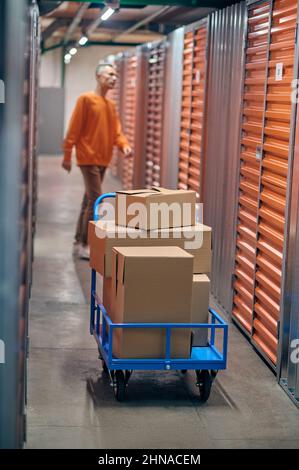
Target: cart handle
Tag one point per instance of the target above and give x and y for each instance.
(98, 202)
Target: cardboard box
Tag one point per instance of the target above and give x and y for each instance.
(148, 340)
(200, 308)
(156, 208)
(107, 283)
(151, 285)
(150, 344)
(103, 236)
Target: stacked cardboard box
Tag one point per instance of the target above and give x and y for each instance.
(151, 285)
(104, 235)
(153, 270)
(153, 207)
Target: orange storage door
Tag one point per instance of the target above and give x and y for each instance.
(265, 149)
(251, 142)
(193, 105)
(186, 111)
(197, 108)
(274, 170)
(154, 130)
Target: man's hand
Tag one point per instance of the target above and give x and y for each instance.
(127, 151)
(67, 166)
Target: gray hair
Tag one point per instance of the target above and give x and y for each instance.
(100, 67)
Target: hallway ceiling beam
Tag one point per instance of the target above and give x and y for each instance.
(183, 3)
(76, 21)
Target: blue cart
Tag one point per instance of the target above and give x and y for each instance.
(205, 361)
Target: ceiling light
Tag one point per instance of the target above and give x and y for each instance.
(73, 51)
(107, 14)
(83, 40)
(67, 57)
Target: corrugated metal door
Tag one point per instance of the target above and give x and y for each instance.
(155, 106)
(266, 126)
(193, 107)
(273, 181)
(251, 141)
(129, 116)
(186, 111)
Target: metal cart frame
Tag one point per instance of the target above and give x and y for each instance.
(206, 361)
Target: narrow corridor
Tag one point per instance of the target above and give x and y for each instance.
(71, 404)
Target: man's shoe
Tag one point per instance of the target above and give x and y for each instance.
(84, 252)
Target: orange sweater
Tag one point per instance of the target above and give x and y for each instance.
(94, 129)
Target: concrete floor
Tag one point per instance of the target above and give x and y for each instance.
(71, 404)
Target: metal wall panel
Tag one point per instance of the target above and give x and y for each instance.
(29, 191)
(172, 109)
(119, 63)
(140, 116)
(227, 34)
(115, 95)
(288, 370)
(129, 115)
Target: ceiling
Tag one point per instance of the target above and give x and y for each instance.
(68, 21)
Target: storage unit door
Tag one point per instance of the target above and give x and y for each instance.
(186, 111)
(155, 105)
(193, 107)
(274, 171)
(265, 150)
(251, 142)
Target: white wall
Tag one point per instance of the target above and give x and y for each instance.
(50, 70)
(80, 73)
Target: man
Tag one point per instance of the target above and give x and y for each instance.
(94, 129)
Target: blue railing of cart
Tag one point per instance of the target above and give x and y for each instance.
(208, 357)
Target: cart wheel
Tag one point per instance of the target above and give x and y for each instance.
(204, 383)
(119, 385)
(128, 374)
(105, 368)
